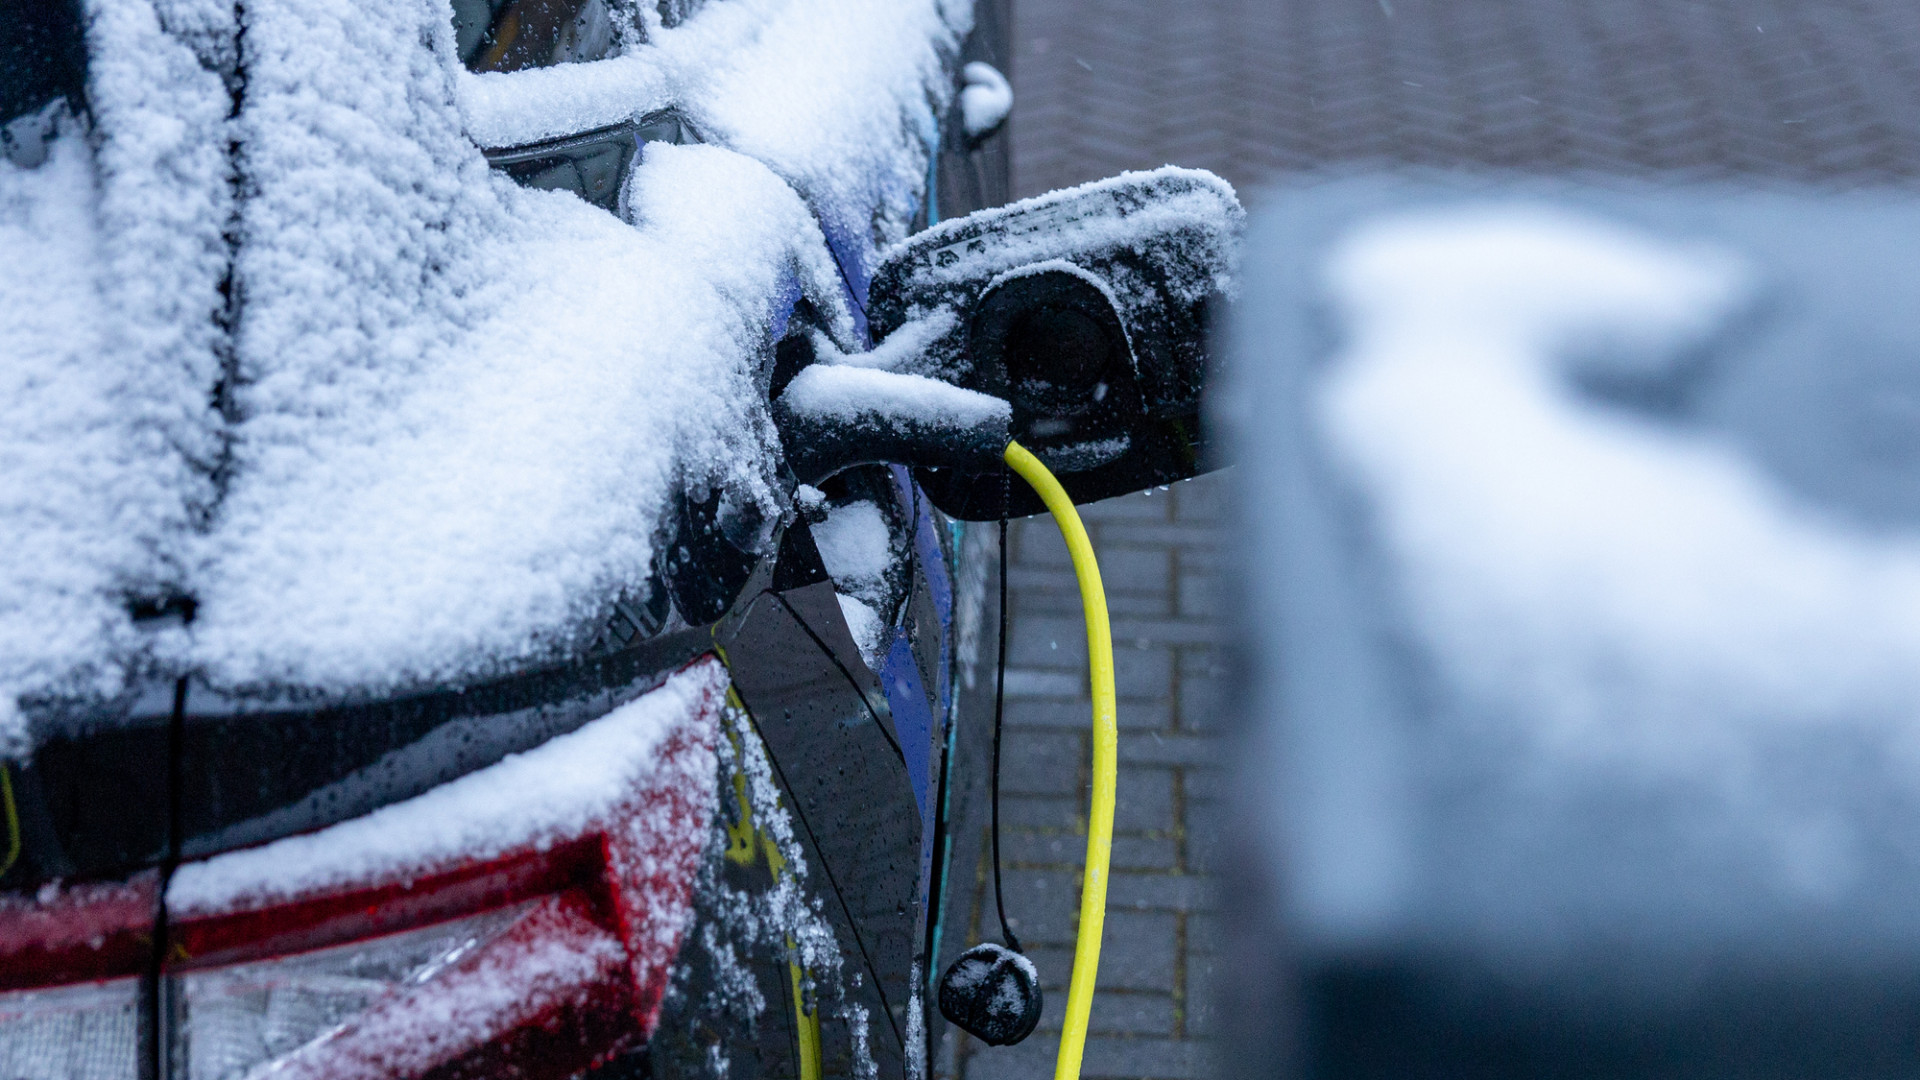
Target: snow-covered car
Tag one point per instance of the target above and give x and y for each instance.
(1582, 627)
(483, 488)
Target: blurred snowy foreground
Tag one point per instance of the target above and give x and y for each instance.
(1587, 551)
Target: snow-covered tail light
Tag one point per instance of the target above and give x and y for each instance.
(85, 1032)
(522, 920)
(535, 985)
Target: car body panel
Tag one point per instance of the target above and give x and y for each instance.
(219, 745)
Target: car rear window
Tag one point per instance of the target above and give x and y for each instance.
(43, 59)
(512, 35)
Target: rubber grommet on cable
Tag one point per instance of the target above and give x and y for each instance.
(993, 994)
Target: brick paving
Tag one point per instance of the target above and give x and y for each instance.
(1826, 93)
(1258, 90)
(1101, 86)
(1152, 1015)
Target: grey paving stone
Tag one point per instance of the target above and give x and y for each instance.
(1067, 851)
(1108, 1057)
(1148, 632)
(1138, 715)
(1030, 1060)
(1203, 661)
(1205, 557)
(1042, 850)
(1123, 1058)
(1055, 963)
(1189, 539)
(1202, 785)
(1145, 801)
(1138, 950)
(1206, 844)
(1130, 569)
(1128, 1014)
(1202, 500)
(1143, 673)
(1255, 88)
(1037, 542)
(1200, 1004)
(1202, 701)
(1158, 605)
(1162, 892)
(1169, 748)
(1115, 1012)
(1203, 933)
(1031, 683)
(1041, 812)
(1048, 641)
(1157, 853)
(1048, 762)
(1041, 588)
(1199, 597)
(1042, 906)
(1048, 713)
(1135, 715)
(1199, 1012)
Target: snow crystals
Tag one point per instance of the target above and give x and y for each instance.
(450, 413)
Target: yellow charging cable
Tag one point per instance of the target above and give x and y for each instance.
(1106, 767)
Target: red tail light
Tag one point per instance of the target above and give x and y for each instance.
(521, 921)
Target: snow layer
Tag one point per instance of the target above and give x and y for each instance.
(553, 956)
(857, 550)
(985, 100)
(854, 395)
(856, 546)
(1144, 239)
(1192, 211)
(1645, 591)
(108, 294)
(870, 632)
(839, 97)
(555, 792)
(466, 404)
(1663, 683)
(901, 351)
(466, 504)
(458, 410)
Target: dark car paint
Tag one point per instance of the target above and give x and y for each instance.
(94, 803)
(43, 58)
(827, 744)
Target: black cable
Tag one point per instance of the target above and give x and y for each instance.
(999, 710)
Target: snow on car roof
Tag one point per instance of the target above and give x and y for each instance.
(459, 408)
